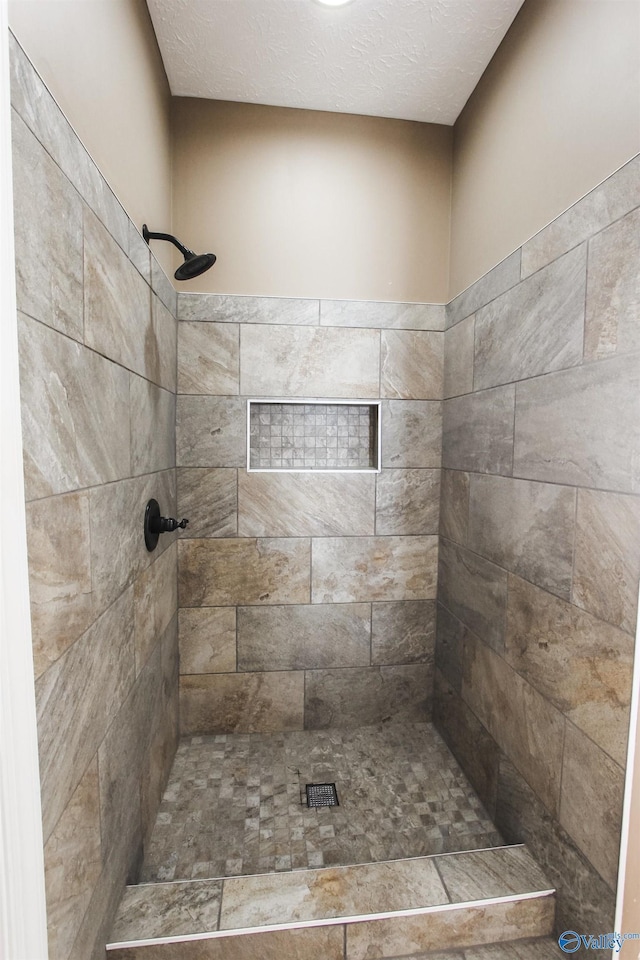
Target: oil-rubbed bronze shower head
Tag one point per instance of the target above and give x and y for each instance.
(194, 263)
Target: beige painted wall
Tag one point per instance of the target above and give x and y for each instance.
(101, 62)
(309, 204)
(557, 111)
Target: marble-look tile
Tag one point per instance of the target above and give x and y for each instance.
(331, 892)
(306, 504)
(238, 309)
(607, 564)
(73, 862)
(526, 527)
(374, 568)
(611, 200)
(595, 413)
(612, 324)
(67, 442)
(475, 591)
(211, 432)
(451, 634)
(207, 639)
(411, 433)
(535, 327)
(403, 631)
(411, 365)
(220, 573)
(305, 362)
(241, 702)
(209, 358)
(482, 874)
(59, 574)
(523, 723)
(117, 302)
(152, 413)
(360, 696)
(465, 926)
(407, 502)
(167, 910)
(48, 237)
(377, 314)
(156, 601)
(541, 949)
(118, 551)
(579, 663)
(477, 431)
(208, 498)
(163, 287)
(161, 347)
(138, 252)
(303, 637)
(502, 277)
(584, 900)
(475, 750)
(296, 944)
(454, 505)
(77, 698)
(458, 358)
(591, 782)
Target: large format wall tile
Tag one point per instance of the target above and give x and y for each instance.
(163, 288)
(581, 664)
(209, 358)
(305, 362)
(458, 358)
(454, 505)
(225, 309)
(303, 637)
(153, 427)
(241, 702)
(607, 565)
(234, 572)
(403, 631)
(207, 640)
(407, 501)
(592, 781)
(306, 504)
(161, 346)
(156, 602)
(619, 194)
(613, 290)
(475, 590)
(411, 365)
(502, 277)
(208, 498)
(69, 443)
(77, 698)
(477, 431)
(526, 527)
(117, 303)
(374, 568)
(451, 636)
(581, 426)
(535, 327)
(411, 433)
(211, 432)
(374, 314)
(59, 550)
(48, 237)
(522, 722)
(358, 697)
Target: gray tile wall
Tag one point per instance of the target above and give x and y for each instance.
(306, 599)
(98, 344)
(540, 525)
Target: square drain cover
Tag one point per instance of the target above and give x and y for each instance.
(322, 795)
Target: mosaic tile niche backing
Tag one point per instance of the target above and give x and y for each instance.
(313, 436)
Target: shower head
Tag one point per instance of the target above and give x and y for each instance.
(194, 263)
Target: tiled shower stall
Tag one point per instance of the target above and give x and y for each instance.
(509, 426)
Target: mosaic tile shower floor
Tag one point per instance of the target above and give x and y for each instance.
(235, 804)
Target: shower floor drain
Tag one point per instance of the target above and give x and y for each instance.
(322, 795)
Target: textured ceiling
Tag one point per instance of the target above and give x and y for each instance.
(411, 59)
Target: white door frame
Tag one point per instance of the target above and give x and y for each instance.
(23, 928)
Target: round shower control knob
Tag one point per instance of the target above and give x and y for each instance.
(154, 524)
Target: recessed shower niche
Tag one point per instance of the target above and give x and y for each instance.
(304, 435)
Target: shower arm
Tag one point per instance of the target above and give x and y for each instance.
(149, 235)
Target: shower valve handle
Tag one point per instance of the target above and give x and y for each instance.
(167, 524)
(154, 524)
